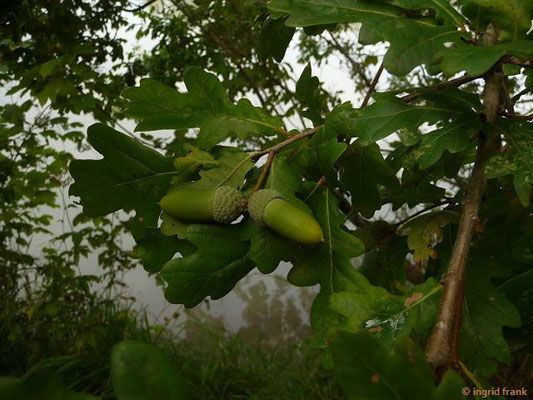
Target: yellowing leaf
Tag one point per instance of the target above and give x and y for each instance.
(425, 232)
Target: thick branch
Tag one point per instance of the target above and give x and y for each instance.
(439, 344)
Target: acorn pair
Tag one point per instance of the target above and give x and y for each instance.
(225, 204)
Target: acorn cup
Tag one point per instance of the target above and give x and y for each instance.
(267, 207)
(223, 204)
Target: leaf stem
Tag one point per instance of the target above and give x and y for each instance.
(321, 182)
(264, 173)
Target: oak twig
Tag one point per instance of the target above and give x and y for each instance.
(442, 338)
(440, 86)
(264, 173)
(416, 214)
(286, 142)
(372, 87)
(139, 8)
(517, 61)
(517, 116)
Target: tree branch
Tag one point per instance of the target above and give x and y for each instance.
(416, 214)
(517, 61)
(286, 142)
(372, 86)
(517, 116)
(440, 86)
(442, 339)
(139, 8)
(264, 173)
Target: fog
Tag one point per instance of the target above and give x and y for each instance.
(257, 297)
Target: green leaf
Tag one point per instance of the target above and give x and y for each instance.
(519, 291)
(454, 137)
(129, 176)
(363, 169)
(188, 166)
(274, 39)
(522, 248)
(445, 11)
(155, 249)
(416, 45)
(486, 311)
(230, 170)
(413, 192)
(171, 226)
(384, 261)
(425, 229)
(476, 60)
(454, 99)
(369, 371)
(420, 38)
(308, 93)
(327, 150)
(268, 249)
(141, 371)
(517, 160)
(48, 67)
(511, 18)
(328, 263)
(390, 114)
(220, 261)
(39, 384)
(205, 106)
(391, 318)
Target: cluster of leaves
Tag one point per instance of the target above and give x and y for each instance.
(340, 175)
(59, 60)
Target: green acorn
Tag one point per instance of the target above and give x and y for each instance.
(267, 207)
(224, 204)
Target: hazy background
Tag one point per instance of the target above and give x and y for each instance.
(258, 297)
